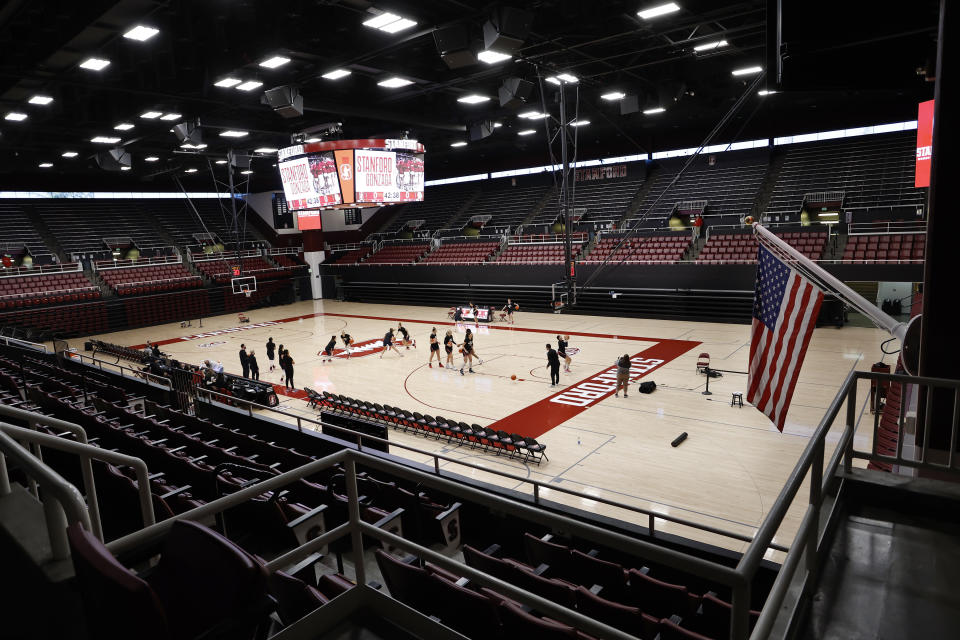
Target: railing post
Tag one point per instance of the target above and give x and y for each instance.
(536, 493)
(56, 521)
(813, 539)
(4, 477)
(356, 533)
(93, 505)
(650, 523)
(740, 615)
(851, 424)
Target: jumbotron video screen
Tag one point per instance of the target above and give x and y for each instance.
(351, 173)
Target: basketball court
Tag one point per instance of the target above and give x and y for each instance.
(725, 475)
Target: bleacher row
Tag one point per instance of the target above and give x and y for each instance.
(892, 247)
(641, 249)
(138, 280)
(58, 288)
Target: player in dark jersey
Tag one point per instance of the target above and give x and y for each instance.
(434, 349)
(388, 343)
(562, 342)
(271, 345)
(448, 344)
(509, 308)
(467, 352)
(347, 341)
(405, 336)
(327, 353)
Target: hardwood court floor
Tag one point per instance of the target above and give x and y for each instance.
(726, 475)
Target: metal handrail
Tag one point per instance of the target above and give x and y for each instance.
(40, 270)
(17, 342)
(109, 265)
(887, 227)
(143, 375)
(87, 452)
(359, 438)
(356, 528)
(62, 504)
(806, 541)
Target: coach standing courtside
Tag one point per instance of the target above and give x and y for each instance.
(244, 361)
(553, 360)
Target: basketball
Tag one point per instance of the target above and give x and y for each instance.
(748, 220)
(513, 377)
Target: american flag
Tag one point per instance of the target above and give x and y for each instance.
(785, 308)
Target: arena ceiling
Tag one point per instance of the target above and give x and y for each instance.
(842, 68)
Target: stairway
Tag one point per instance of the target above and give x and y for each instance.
(541, 203)
(766, 187)
(44, 232)
(638, 199)
(892, 569)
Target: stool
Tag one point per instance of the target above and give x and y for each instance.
(737, 400)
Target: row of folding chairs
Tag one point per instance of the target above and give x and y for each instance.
(512, 445)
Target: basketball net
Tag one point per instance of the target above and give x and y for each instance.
(828, 283)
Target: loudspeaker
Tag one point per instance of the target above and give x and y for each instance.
(187, 132)
(113, 159)
(241, 161)
(514, 92)
(648, 387)
(506, 29)
(286, 101)
(629, 104)
(453, 43)
(480, 130)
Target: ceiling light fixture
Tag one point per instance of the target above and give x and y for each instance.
(170, 116)
(312, 140)
(532, 115)
(265, 150)
(191, 170)
(246, 172)
(45, 165)
(746, 71)
(40, 100)
(394, 83)
(458, 144)
(227, 83)
(526, 132)
(249, 85)
(221, 162)
(124, 126)
(650, 112)
(765, 92)
(472, 99)
(659, 10)
(16, 116)
(614, 95)
(150, 115)
(492, 57)
(68, 154)
(389, 23)
(105, 139)
(94, 64)
(274, 62)
(336, 74)
(232, 133)
(124, 168)
(141, 33)
(580, 123)
(710, 46)
(151, 159)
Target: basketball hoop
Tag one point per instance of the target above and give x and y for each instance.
(247, 292)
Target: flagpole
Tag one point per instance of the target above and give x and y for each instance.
(854, 299)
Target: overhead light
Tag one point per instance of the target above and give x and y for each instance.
(68, 154)
(650, 112)
(312, 140)
(246, 172)
(141, 33)
(249, 85)
(747, 71)
(170, 116)
(532, 115)
(94, 64)
(151, 115)
(231, 133)
(190, 170)
(336, 74)
(45, 165)
(394, 83)
(614, 95)
(458, 144)
(105, 139)
(16, 116)
(151, 159)
(220, 162)
(710, 46)
(389, 23)
(227, 82)
(124, 168)
(472, 99)
(124, 126)
(497, 125)
(265, 150)
(659, 10)
(40, 100)
(274, 62)
(526, 132)
(187, 145)
(492, 57)
(580, 123)
(765, 92)
(566, 77)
